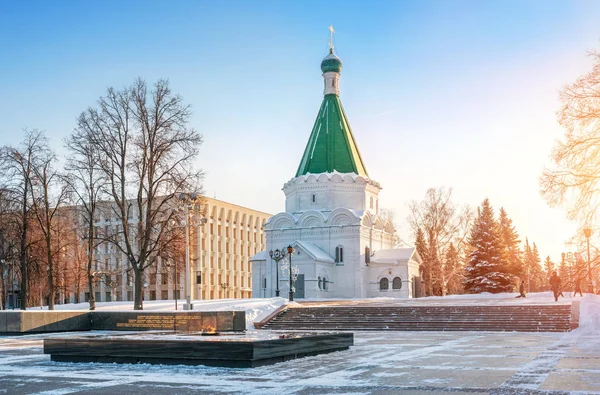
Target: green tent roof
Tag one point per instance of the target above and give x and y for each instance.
(331, 146)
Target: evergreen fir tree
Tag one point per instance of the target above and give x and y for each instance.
(452, 271)
(486, 270)
(423, 251)
(435, 267)
(510, 242)
(564, 272)
(548, 266)
(527, 258)
(539, 280)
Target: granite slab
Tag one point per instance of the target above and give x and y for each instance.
(226, 351)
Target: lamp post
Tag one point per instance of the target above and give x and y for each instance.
(175, 289)
(588, 232)
(203, 220)
(290, 251)
(224, 286)
(188, 202)
(277, 256)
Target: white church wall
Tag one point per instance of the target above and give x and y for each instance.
(329, 191)
(379, 271)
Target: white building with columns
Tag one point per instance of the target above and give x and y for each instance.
(343, 247)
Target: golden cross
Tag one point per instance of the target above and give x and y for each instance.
(331, 31)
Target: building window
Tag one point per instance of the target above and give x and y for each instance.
(384, 284)
(367, 255)
(325, 284)
(314, 198)
(397, 283)
(339, 254)
(320, 283)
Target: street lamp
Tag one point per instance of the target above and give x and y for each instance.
(588, 232)
(290, 251)
(224, 286)
(175, 288)
(188, 202)
(277, 256)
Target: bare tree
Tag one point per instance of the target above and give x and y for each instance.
(147, 152)
(574, 181)
(48, 196)
(442, 224)
(17, 173)
(87, 181)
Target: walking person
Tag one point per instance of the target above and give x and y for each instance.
(522, 289)
(555, 284)
(577, 287)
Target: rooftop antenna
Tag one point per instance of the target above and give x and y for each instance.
(331, 31)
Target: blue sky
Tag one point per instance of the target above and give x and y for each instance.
(455, 93)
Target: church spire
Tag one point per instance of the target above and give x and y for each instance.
(331, 146)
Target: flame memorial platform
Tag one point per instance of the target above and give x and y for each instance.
(224, 350)
(26, 322)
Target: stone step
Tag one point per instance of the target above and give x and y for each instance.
(432, 329)
(427, 315)
(565, 324)
(544, 318)
(550, 328)
(423, 319)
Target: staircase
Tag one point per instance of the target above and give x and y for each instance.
(533, 318)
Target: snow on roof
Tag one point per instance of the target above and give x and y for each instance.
(260, 256)
(393, 255)
(315, 252)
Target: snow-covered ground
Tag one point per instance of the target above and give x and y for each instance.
(390, 362)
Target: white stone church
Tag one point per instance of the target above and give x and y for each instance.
(342, 247)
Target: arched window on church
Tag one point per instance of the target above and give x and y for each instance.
(325, 284)
(397, 283)
(384, 284)
(367, 255)
(339, 254)
(320, 283)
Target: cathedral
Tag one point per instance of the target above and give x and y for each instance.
(341, 246)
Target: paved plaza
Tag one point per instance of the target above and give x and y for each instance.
(379, 363)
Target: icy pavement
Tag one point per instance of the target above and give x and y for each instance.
(379, 363)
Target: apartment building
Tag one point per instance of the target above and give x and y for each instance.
(223, 237)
